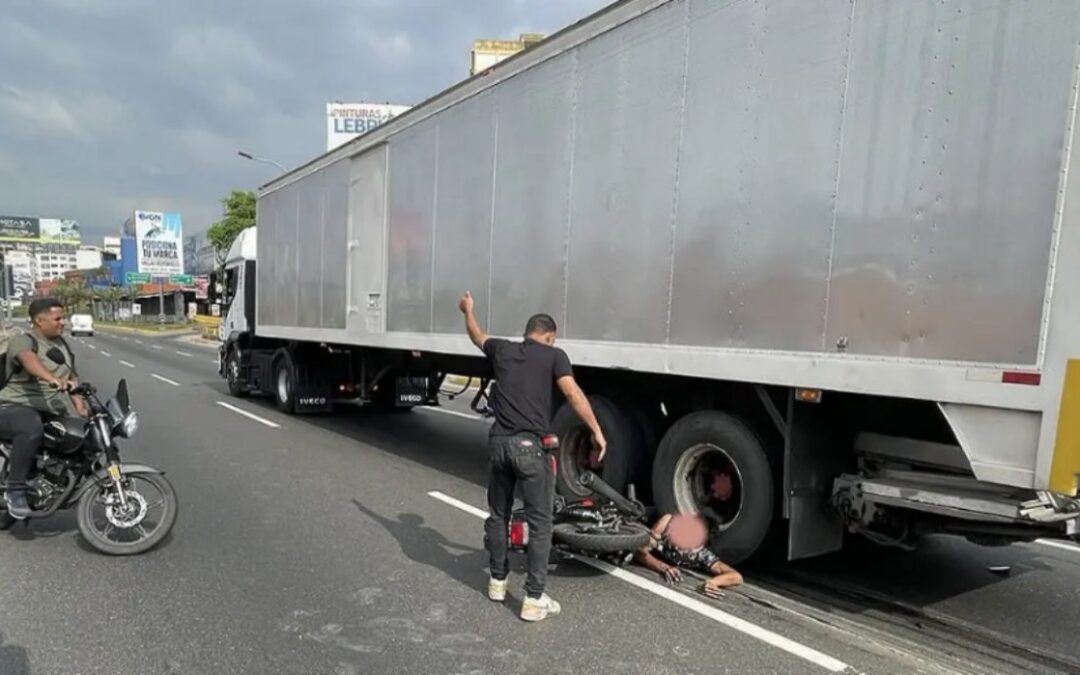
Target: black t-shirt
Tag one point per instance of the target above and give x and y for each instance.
(525, 374)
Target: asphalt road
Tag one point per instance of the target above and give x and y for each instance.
(314, 545)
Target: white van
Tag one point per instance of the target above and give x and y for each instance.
(82, 324)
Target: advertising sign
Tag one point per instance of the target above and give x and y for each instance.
(39, 230)
(159, 243)
(202, 288)
(15, 228)
(136, 309)
(57, 231)
(346, 121)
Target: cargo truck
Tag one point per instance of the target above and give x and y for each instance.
(816, 263)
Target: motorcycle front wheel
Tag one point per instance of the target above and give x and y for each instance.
(114, 528)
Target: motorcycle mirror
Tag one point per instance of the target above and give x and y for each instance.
(56, 355)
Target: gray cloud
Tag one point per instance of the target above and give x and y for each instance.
(111, 105)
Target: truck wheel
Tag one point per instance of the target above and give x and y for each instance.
(711, 463)
(625, 455)
(285, 383)
(232, 374)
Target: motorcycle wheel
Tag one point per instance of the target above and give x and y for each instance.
(102, 533)
(628, 537)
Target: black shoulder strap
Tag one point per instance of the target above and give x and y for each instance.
(70, 351)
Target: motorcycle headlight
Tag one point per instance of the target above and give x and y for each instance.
(129, 425)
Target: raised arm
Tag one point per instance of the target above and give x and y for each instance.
(472, 326)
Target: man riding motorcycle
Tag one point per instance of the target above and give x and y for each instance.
(37, 384)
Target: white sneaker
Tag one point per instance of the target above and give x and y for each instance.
(538, 609)
(497, 590)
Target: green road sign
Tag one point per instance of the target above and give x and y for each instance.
(181, 279)
(138, 277)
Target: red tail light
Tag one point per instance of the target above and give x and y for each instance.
(519, 533)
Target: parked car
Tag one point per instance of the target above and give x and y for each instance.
(82, 324)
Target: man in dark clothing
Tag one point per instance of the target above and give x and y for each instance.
(525, 373)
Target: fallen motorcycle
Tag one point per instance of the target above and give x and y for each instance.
(121, 509)
(608, 526)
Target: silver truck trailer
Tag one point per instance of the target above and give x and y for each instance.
(817, 263)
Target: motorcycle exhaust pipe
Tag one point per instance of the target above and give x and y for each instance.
(596, 484)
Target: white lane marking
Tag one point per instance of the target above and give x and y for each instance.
(458, 504)
(182, 353)
(455, 414)
(1058, 544)
(164, 379)
(215, 362)
(105, 353)
(238, 411)
(708, 611)
(156, 346)
(138, 342)
(129, 365)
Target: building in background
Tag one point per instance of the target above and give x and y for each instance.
(486, 53)
(37, 249)
(346, 121)
(90, 258)
(112, 245)
(52, 264)
(198, 254)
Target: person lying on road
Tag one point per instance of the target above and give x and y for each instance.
(678, 541)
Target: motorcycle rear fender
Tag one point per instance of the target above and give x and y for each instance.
(103, 474)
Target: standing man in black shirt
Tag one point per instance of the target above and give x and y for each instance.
(525, 373)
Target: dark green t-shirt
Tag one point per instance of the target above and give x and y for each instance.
(24, 389)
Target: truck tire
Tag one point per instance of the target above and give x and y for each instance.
(625, 456)
(237, 388)
(629, 537)
(284, 386)
(688, 477)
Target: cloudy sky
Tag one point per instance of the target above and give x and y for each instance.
(111, 105)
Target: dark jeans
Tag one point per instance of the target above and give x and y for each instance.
(520, 459)
(22, 426)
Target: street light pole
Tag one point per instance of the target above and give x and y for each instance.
(248, 155)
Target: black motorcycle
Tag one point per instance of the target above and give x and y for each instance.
(608, 526)
(121, 509)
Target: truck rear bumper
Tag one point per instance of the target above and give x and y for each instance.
(953, 504)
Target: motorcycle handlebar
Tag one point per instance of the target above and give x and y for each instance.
(600, 487)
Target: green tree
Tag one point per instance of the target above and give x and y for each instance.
(239, 214)
(112, 296)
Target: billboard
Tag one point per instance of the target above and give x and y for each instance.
(159, 243)
(39, 230)
(346, 121)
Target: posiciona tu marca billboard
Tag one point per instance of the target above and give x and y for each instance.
(159, 243)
